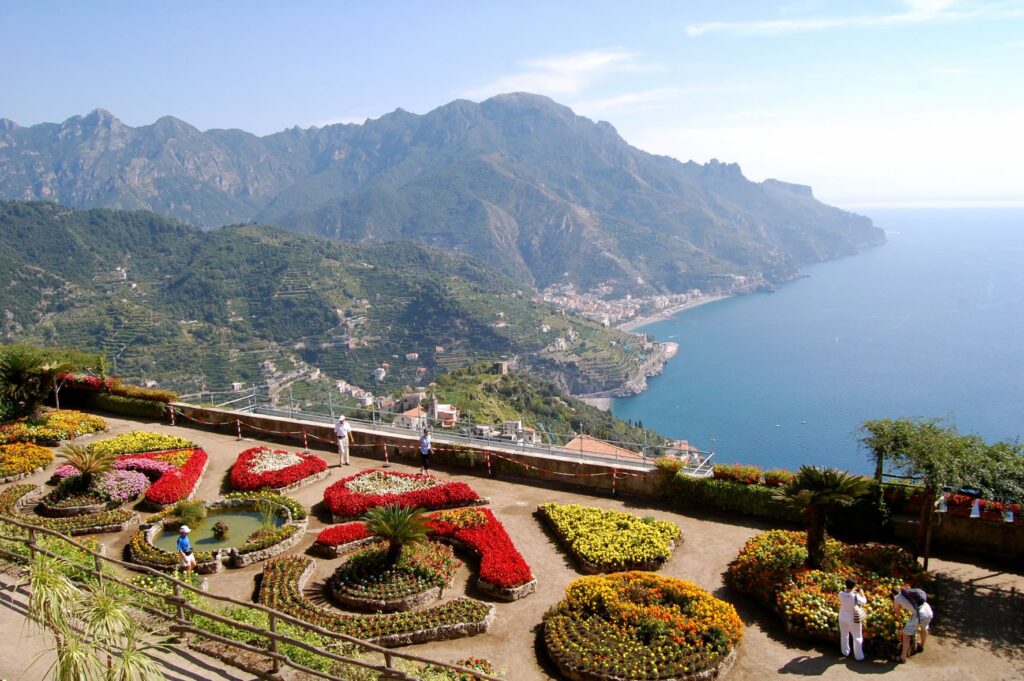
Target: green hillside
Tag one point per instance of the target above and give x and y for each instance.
(169, 302)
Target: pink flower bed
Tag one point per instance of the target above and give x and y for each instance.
(501, 564)
(264, 467)
(430, 494)
(182, 469)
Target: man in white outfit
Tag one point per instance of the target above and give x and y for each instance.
(851, 616)
(343, 431)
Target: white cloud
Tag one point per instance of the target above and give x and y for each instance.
(918, 12)
(644, 100)
(560, 76)
(941, 156)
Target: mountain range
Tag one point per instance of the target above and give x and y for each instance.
(517, 181)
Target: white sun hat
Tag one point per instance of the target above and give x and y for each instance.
(184, 529)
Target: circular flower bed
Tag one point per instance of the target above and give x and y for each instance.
(275, 468)
(770, 568)
(16, 499)
(637, 625)
(282, 588)
(604, 540)
(51, 427)
(21, 459)
(351, 497)
(366, 582)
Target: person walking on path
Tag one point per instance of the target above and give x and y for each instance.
(343, 431)
(188, 558)
(851, 620)
(425, 452)
(914, 601)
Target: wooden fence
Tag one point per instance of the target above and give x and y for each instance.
(183, 610)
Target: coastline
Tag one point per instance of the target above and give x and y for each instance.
(668, 313)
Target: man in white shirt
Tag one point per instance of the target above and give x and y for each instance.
(343, 431)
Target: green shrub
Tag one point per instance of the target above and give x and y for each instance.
(730, 496)
(748, 475)
(778, 477)
(129, 406)
(190, 512)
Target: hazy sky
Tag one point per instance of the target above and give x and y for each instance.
(869, 102)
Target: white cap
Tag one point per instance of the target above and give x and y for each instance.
(184, 529)
(341, 418)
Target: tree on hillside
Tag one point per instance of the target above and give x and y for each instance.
(816, 491)
(399, 526)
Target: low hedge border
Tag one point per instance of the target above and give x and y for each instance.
(729, 497)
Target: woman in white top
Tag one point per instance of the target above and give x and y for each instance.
(851, 616)
(920, 618)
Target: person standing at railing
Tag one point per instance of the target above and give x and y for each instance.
(425, 452)
(343, 431)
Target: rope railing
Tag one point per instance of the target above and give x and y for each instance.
(179, 604)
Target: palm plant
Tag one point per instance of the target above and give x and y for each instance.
(90, 464)
(399, 526)
(23, 384)
(816, 491)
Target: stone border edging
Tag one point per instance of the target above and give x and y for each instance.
(72, 511)
(586, 567)
(18, 507)
(15, 477)
(440, 633)
(719, 671)
(402, 604)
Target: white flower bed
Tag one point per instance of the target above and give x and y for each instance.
(378, 482)
(273, 460)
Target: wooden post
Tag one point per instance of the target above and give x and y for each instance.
(32, 543)
(275, 662)
(180, 606)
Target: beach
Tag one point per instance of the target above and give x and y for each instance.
(668, 313)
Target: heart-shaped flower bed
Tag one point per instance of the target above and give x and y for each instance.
(275, 468)
(351, 497)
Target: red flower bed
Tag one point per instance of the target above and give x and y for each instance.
(179, 482)
(243, 477)
(501, 564)
(339, 535)
(114, 386)
(345, 503)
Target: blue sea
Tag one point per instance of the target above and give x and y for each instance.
(929, 325)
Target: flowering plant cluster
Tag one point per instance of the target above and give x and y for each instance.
(638, 625)
(141, 551)
(122, 486)
(264, 467)
(420, 567)
(610, 540)
(778, 477)
(748, 475)
(279, 589)
(297, 510)
(181, 470)
(351, 497)
(770, 568)
(346, 533)
(137, 441)
(114, 386)
(78, 524)
(501, 564)
(51, 427)
(22, 458)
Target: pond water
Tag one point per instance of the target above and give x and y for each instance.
(240, 523)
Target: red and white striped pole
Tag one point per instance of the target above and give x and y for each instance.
(490, 473)
(615, 474)
(238, 425)
(305, 442)
(171, 408)
(387, 462)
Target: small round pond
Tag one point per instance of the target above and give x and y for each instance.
(240, 524)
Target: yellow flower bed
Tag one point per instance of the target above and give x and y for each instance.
(23, 457)
(637, 625)
(611, 540)
(51, 427)
(138, 441)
